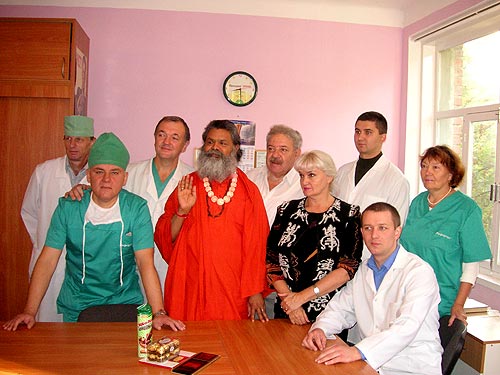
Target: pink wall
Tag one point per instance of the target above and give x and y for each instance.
(314, 76)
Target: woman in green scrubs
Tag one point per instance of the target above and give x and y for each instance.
(444, 227)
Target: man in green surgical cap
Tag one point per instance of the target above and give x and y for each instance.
(50, 180)
(107, 235)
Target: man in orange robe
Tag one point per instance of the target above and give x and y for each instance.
(213, 236)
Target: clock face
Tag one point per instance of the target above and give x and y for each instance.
(240, 88)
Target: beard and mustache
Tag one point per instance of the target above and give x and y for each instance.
(215, 165)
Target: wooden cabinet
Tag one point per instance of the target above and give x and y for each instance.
(32, 50)
(482, 344)
(43, 77)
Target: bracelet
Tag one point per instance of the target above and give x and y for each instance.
(159, 312)
(181, 215)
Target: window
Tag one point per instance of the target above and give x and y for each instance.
(456, 75)
(469, 74)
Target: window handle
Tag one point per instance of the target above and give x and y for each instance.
(494, 192)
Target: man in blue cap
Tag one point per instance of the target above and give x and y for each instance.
(49, 181)
(107, 235)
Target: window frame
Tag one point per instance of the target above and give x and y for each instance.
(422, 112)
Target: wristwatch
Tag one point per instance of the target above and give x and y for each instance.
(316, 291)
(159, 312)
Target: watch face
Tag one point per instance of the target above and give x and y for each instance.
(240, 88)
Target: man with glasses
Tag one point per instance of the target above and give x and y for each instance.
(49, 181)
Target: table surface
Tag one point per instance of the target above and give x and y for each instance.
(244, 347)
(484, 327)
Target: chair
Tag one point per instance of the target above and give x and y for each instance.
(109, 313)
(452, 341)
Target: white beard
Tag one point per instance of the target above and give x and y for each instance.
(216, 168)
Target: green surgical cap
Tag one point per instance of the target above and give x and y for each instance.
(78, 126)
(108, 149)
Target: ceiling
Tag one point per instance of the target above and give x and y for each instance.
(397, 13)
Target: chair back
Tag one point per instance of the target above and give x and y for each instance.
(452, 341)
(109, 313)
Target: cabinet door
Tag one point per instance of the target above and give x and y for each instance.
(31, 131)
(34, 50)
(43, 66)
(473, 353)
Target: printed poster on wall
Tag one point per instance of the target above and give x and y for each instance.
(247, 135)
(81, 83)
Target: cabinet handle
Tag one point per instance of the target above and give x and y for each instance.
(63, 66)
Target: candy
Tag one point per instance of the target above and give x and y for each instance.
(163, 349)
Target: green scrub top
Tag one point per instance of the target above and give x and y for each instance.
(450, 234)
(99, 280)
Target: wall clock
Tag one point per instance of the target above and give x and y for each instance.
(240, 88)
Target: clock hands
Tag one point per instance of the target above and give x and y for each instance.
(239, 99)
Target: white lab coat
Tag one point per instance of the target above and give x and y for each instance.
(384, 182)
(141, 182)
(399, 323)
(289, 188)
(48, 183)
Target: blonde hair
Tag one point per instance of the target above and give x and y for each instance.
(317, 159)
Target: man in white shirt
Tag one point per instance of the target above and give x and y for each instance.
(278, 181)
(155, 179)
(393, 298)
(372, 178)
(48, 183)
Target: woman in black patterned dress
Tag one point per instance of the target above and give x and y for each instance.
(315, 243)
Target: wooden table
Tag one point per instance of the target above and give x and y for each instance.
(245, 347)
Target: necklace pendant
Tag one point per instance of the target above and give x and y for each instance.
(220, 201)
